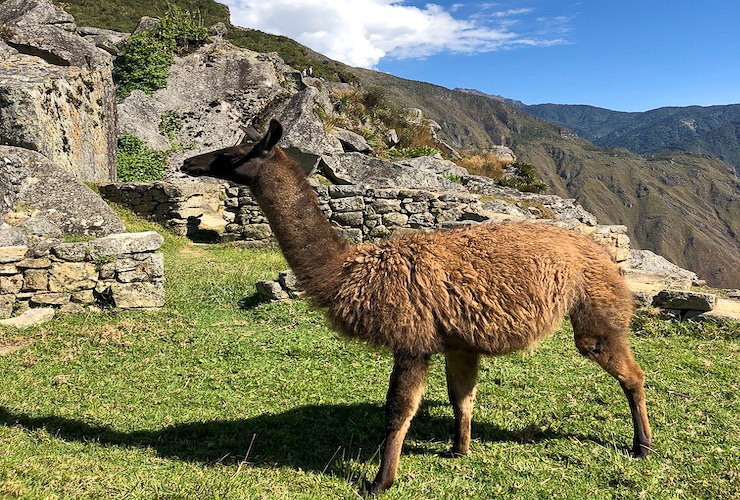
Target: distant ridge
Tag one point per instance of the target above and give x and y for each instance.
(511, 102)
(711, 130)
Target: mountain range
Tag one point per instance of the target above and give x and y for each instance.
(669, 175)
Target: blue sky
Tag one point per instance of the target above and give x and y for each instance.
(624, 55)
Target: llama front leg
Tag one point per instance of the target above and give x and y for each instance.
(404, 393)
(462, 373)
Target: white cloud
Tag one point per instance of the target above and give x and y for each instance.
(362, 32)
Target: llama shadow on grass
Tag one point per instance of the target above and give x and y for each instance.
(306, 437)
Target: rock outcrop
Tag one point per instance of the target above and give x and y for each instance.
(213, 92)
(44, 201)
(56, 91)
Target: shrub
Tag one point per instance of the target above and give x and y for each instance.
(486, 164)
(137, 162)
(181, 31)
(143, 64)
(411, 152)
(145, 59)
(170, 125)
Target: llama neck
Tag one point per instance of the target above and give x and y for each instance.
(310, 245)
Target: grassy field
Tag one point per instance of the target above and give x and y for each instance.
(219, 395)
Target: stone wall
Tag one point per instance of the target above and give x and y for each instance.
(121, 270)
(360, 213)
(185, 207)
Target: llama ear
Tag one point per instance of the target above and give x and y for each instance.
(265, 146)
(274, 134)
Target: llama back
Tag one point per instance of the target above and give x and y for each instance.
(493, 288)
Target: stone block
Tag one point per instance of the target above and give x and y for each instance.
(423, 220)
(137, 295)
(12, 254)
(72, 276)
(348, 204)
(684, 300)
(351, 219)
(72, 252)
(83, 296)
(146, 270)
(11, 284)
(49, 299)
(8, 269)
(257, 231)
(36, 280)
(6, 305)
(31, 317)
(271, 290)
(123, 243)
(41, 263)
(354, 235)
(394, 219)
(385, 206)
(416, 207)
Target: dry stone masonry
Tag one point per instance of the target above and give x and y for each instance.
(121, 270)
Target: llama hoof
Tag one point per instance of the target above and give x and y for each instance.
(371, 488)
(640, 450)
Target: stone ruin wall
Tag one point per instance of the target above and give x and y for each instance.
(121, 270)
(360, 213)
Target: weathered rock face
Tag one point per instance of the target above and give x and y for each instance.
(647, 261)
(212, 91)
(27, 13)
(45, 191)
(108, 40)
(351, 142)
(302, 128)
(356, 168)
(56, 91)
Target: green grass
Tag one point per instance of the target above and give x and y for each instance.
(219, 395)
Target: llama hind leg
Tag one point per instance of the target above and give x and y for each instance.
(404, 394)
(613, 353)
(462, 372)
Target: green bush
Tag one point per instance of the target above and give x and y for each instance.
(145, 59)
(170, 125)
(137, 162)
(143, 64)
(526, 179)
(411, 152)
(181, 30)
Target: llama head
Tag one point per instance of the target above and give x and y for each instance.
(240, 164)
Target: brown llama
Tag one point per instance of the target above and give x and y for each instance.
(489, 289)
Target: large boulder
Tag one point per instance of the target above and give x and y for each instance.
(48, 198)
(212, 92)
(56, 91)
(108, 40)
(28, 13)
(303, 130)
(645, 261)
(357, 168)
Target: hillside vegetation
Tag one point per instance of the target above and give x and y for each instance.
(124, 15)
